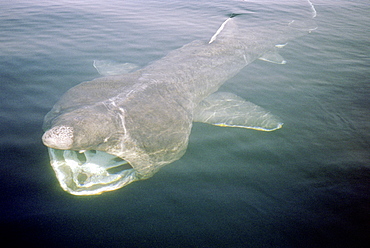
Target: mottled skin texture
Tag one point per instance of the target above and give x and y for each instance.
(145, 117)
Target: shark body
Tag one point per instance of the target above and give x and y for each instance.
(111, 131)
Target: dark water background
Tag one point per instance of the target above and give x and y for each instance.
(305, 185)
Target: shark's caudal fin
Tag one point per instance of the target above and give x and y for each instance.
(307, 24)
(313, 10)
(228, 110)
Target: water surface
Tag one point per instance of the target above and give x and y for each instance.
(305, 185)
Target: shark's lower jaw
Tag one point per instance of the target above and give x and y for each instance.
(90, 172)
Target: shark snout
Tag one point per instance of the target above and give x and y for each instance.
(59, 137)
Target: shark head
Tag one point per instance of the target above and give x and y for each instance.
(98, 148)
(86, 154)
(90, 172)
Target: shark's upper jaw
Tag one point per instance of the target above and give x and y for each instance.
(90, 172)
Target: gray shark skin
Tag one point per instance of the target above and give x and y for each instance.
(108, 132)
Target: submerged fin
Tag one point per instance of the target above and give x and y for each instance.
(281, 45)
(111, 68)
(229, 110)
(273, 57)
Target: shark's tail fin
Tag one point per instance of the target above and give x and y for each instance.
(313, 10)
(305, 24)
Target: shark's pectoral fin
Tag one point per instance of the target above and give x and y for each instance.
(111, 68)
(227, 109)
(273, 57)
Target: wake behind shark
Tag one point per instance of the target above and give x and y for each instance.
(111, 131)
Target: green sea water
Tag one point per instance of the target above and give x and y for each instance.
(305, 185)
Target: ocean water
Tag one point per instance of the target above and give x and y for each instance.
(305, 185)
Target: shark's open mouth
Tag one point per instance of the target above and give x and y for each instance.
(90, 172)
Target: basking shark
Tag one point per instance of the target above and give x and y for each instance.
(106, 133)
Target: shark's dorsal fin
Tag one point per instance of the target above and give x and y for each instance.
(229, 110)
(111, 68)
(226, 29)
